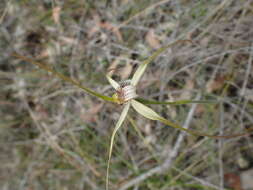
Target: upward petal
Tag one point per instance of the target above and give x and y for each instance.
(114, 84)
(140, 70)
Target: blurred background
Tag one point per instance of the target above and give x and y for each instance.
(55, 136)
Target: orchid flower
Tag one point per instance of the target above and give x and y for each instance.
(125, 94)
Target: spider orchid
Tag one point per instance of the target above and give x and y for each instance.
(125, 94)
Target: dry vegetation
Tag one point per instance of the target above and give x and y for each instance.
(55, 136)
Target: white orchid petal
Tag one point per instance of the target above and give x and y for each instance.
(114, 84)
(150, 114)
(145, 111)
(140, 70)
(138, 73)
(118, 125)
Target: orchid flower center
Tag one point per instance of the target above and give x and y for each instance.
(126, 92)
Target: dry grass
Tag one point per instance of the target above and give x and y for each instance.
(54, 136)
